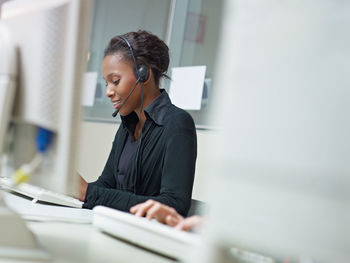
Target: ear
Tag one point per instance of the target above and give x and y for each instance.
(150, 74)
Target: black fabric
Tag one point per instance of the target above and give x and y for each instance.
(166, 162)
(126, 157)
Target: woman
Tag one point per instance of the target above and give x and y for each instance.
(155, 148)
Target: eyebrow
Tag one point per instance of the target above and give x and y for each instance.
(110, 75)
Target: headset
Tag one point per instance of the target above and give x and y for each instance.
(141, 71)
(142, 76)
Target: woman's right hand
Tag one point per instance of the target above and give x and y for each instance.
(82, 189)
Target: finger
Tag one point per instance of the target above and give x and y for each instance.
(134, 208)
(160, 212)
(156, 212)
(189, 223)
(176, 215)
(172, 220)
(144, 208)
(173, 212)
(181, 226)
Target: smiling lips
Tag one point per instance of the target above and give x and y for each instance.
(116, 103)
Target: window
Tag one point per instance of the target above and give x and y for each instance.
(189, 27)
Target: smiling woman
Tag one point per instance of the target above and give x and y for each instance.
(154, 151)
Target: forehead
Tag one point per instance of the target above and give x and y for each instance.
(115, 63)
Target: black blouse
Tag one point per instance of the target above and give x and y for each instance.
(129, 150)
(162, 170)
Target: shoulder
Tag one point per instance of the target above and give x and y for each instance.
(177, 118)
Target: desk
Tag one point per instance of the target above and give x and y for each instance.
(71, 242)
(82, 242)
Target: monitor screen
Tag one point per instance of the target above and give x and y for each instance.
(52, 41)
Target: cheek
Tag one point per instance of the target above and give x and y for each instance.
(126, 87)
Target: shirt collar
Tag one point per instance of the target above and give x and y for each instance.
(155, 111)
(158, 108)
(130, 121)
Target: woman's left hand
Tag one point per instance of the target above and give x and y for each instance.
(153, 209)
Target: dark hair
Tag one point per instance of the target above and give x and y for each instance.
(149, 50)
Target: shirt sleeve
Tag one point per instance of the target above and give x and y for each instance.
(178, 171)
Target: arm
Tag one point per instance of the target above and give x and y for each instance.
(178, 172)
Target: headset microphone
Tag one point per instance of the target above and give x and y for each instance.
(115, 113)
(117, 110)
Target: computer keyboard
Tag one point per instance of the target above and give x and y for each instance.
(40, 194)
(142, 232)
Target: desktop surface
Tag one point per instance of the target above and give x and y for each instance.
(85, 243)
(71, 238)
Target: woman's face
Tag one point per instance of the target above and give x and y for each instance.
(120, 80)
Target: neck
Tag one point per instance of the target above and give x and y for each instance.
(148, 97)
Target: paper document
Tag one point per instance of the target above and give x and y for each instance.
(186, 87)
(42, 212)
(89, 88)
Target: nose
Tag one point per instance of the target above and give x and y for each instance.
(109, 92)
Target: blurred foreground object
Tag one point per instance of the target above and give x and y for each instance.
(281, 162)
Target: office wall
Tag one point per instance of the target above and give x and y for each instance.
(96, 143)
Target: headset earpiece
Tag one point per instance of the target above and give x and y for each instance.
(142, 73)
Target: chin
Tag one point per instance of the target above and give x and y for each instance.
(124, 112)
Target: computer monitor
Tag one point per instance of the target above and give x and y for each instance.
(8, 81)
(52, 40)
(280, 184)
